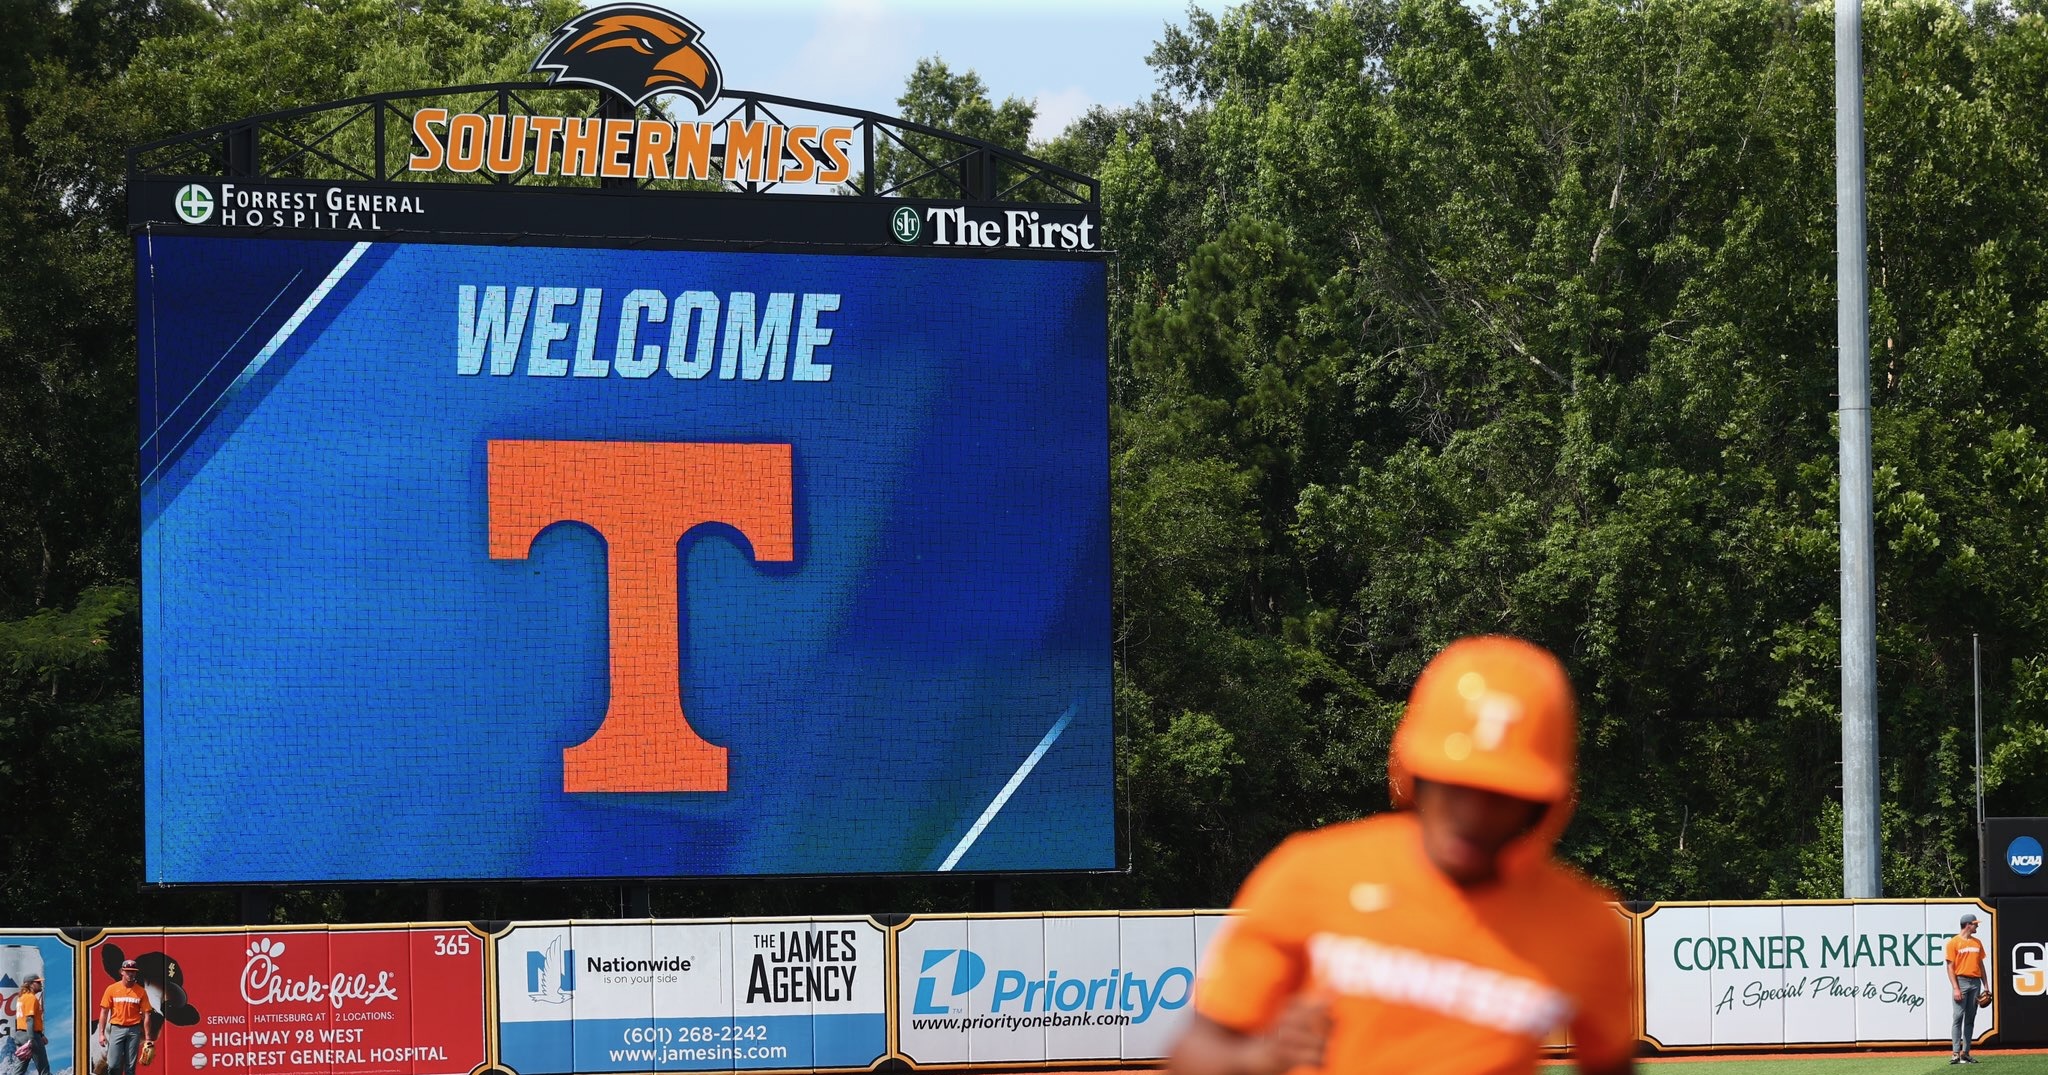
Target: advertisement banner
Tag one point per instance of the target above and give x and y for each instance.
(1802, 973)
(384, 1000)
(2019, 970)
(40, 961)
(1033, 989)
(744, 995)
(711, 563)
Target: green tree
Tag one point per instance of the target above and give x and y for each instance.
(936, 97)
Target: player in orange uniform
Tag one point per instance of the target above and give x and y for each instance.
(1964, 954)
(1441, 938)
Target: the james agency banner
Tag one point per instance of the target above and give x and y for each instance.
(1802, 973)
(371, 1001)
(762, 995)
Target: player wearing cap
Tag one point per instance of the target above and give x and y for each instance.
(1443, 937)
(29, 1006)
(1964, 955)
(124, 1011)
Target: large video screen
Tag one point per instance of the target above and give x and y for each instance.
(475, 562)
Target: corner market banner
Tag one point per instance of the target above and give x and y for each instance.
(800, 994)
(346, 1000)
(1802, 973)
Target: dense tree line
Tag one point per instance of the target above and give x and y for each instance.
(1427, 320)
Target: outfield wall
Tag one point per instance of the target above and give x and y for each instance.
(848, 994)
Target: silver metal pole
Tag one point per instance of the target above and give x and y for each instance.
(1860, 836)
(1977, 704)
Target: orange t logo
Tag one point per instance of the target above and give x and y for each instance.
(642, 498)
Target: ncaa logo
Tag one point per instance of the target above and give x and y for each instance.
(2030, 968)
(2023, 855)
(968, 971)
(194, 204)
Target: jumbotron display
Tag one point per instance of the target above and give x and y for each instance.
(465, 562)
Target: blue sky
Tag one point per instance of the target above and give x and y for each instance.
(1065, 54)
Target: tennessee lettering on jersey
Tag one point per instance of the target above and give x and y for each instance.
(1464, 991)
(1424, 977)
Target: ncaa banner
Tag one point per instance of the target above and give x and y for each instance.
(2013, 848)
(343, 1000)
(1810, 973)
(802, 994)
(1033, 989)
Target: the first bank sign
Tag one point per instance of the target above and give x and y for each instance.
(1813, 973)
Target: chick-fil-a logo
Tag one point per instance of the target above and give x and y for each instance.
(264, 983)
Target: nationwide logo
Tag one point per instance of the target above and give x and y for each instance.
(2023, 855)
(551, 974)
(636, 53)
(2030, 968)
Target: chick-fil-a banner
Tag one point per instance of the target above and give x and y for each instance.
(387, 1000)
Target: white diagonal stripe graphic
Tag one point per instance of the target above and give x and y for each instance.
(1002, 798)
(278, 339)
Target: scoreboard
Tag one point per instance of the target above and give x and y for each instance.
(469, 560)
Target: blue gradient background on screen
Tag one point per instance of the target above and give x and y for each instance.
(340, 684)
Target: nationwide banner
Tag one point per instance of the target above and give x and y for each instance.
(1031, 989)
(1802, 973)
(380, 1000)
(803, 994)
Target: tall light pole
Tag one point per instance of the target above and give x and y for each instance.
(1860, 879)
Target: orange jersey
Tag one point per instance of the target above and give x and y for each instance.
(1424, 977)
(28, 1011)
(129, 1003)
(1966, 955)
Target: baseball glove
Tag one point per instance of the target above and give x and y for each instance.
(1984, 999)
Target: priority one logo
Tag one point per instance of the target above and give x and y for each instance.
(2030, 968)
(551, 974)
(2023, 855)
(968, 971)
(194, 203)
(1119, 992)
(636, 53)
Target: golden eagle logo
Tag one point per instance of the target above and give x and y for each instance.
(636, 51)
